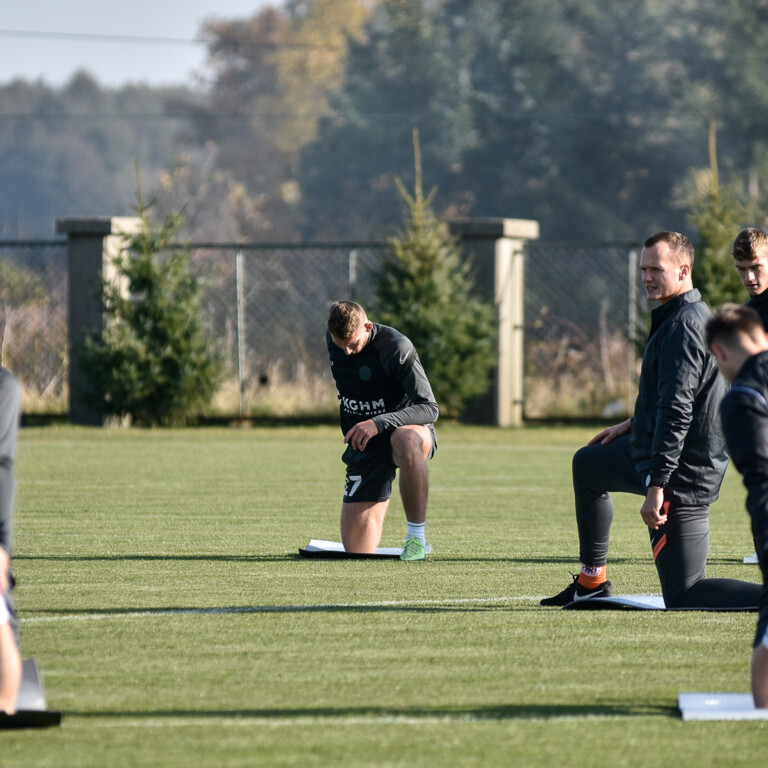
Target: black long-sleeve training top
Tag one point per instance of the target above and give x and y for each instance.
(385, 382)
(744, 413)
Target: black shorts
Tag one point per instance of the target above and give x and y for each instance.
(370, 473)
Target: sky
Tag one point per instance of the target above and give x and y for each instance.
(55, 42)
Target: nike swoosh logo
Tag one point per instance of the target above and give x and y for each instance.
(577, 598)
(405, 357)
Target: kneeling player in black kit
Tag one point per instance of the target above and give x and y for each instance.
(738, 341)
(387, 413)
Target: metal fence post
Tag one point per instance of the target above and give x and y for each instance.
(632, 330)
(241, 362)
(353, 257)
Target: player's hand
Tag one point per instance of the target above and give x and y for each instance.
(5, 564)
(360, 434)
(652, 511)
(611, 433)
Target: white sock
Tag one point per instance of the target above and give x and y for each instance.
(417, 531)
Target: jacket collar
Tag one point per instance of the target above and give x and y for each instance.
(761, 298)
(660, 314)
(752, 368)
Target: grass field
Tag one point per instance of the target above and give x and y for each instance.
(174, 623)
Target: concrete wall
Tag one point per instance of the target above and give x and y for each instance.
(92, 243)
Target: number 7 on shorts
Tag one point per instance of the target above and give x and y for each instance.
(353, 483)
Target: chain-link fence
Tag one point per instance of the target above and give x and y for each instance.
(33, 321)
(266, 308)
(583, 318)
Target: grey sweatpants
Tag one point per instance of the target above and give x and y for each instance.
(679, 547)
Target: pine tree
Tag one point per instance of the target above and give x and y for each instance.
(154, 362)
(719, 213)
(424, 289)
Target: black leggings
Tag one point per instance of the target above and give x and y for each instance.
(679, 547)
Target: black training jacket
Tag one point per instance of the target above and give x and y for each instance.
(677, 441)
(744, 413)
(385, 382)
(760, 304)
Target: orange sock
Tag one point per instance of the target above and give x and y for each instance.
(592, 576)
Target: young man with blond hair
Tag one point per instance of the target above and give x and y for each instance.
(750, 257)
(738, 341)
(387, 412)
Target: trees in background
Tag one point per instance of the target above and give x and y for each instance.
(72, 151)
(719, 212)
(586, 116)
(154, 363)
(424, 288)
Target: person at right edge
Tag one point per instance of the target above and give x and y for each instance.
(672, 451)
(738, 341)
(750, 257)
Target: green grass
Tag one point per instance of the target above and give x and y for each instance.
(359, 663)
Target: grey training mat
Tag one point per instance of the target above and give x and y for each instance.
(719, 706)
(637, 603)
(335, 550)
(619, 602)
(31, 704)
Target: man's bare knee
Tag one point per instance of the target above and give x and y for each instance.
(408, 446)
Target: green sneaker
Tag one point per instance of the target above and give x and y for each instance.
(414, 549)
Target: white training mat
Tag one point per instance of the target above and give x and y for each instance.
(719, 706)
(616, 602)
(335, 549)
(751, 559)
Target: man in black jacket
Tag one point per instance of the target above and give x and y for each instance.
(750, 257)
(387, 413)
(738, 341)
(672, 451)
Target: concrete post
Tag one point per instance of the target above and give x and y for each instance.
(496, 247)
(91, 245)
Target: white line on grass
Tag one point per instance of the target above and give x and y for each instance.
(217, 611)
(127, 721)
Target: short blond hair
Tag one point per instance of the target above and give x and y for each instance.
(680, 247)
(750, 244)
(344, 318)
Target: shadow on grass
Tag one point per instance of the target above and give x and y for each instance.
(295, 557)
(493, 713)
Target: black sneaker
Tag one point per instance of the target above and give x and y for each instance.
(574, 593)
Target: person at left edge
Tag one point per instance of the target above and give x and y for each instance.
(10, 659)
(387, 412)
